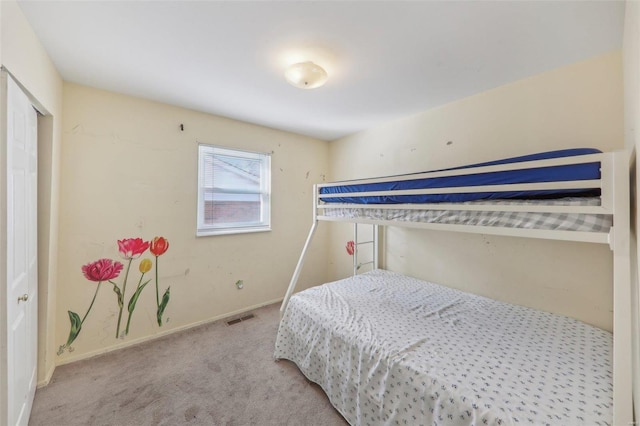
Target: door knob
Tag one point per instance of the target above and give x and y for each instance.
(23, 298)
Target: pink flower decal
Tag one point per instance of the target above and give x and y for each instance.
(99, 271)
(102, 270)
(351, 247)
(132, 248)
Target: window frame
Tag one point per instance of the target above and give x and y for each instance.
(228, 228)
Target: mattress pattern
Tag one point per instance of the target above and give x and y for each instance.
(389, 349)
(528, 220)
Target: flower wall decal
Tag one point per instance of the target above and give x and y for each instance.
(108, 270)
(98, 271)
(144, 267)
(132, 248)
(159, 246)
(351, 248)
(102, 270)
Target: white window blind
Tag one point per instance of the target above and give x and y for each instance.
(234, 191)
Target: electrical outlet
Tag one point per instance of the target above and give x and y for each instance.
(239, 284)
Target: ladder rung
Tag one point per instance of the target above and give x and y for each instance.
(364, 242)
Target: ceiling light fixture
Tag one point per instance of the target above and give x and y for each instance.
(306, 75)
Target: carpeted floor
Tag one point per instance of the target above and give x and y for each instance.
(210, 375)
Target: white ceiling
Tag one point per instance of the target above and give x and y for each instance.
(385, 60)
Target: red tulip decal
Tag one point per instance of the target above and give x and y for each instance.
(351, 247)
(132, 248)
(159, 245)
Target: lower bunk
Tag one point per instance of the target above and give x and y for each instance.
(390, 349)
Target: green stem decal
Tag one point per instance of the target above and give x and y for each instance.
(157, 291)
(132, 302)
(91, 305)
(121, 297)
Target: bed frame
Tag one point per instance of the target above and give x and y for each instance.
(615, 195)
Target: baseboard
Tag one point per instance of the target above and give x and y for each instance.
(47, 378)
(123, 345)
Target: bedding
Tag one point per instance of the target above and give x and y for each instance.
(571, 172)
(390, 349)
(507, 219)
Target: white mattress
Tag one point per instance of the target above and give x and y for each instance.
(529, 220)
(390, 349)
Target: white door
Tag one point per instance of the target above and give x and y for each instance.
(22, 274)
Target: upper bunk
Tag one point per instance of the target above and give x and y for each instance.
(572, 195)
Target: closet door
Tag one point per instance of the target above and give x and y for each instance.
(21, 254)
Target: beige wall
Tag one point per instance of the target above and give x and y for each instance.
(631, 51)
(25, 58)
(128, 171)
(580, 105)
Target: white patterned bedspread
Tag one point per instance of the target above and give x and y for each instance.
(390, 349)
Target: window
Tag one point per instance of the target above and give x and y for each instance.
(234, 191)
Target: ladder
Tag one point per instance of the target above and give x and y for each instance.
(371, 242)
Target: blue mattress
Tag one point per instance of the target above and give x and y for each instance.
(572, 172)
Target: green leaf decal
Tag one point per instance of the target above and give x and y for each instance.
(132, 303)
(76, 326)
(163, 305)
(134, 298)
(116, 290)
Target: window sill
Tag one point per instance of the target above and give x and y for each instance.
(230, 231)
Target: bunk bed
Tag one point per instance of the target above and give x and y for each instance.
(389, 349)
